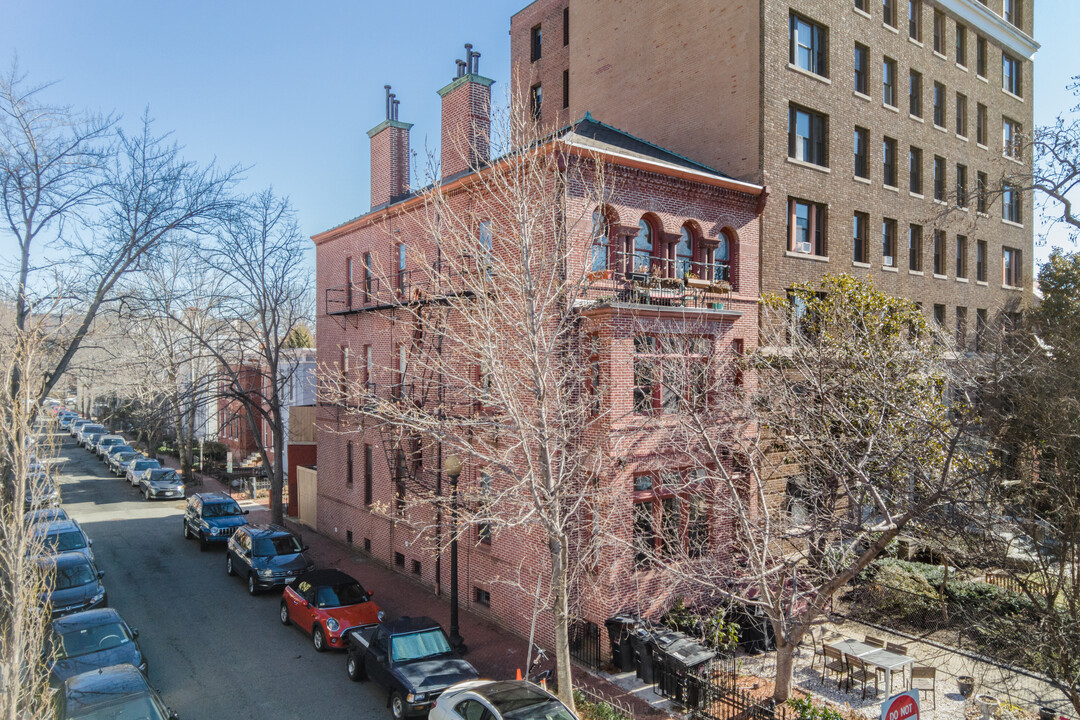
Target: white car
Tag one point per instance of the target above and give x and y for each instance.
(136, 468)
(499, 700)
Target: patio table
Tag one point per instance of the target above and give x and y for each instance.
(874, 655)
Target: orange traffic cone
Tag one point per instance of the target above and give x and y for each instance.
(519, 673)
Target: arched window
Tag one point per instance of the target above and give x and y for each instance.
(599, 246)
(722, 259)
(684, 253)
(643, 247)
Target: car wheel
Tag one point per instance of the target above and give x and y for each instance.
(354, 668)
(285, 614)
(187, 531)
(397, 706)
(228, 565)
(253, 589)
(146, 494)
(203, 544)
(318, 639)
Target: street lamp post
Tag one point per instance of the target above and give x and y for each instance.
(452, 467)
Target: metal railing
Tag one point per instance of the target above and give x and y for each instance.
(585, 643)
(435, 283)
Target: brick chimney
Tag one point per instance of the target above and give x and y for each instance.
(389, 155)
(466, 117)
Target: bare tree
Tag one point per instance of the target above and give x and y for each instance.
(495, 361)
(844, 429)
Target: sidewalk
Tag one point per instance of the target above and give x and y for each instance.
(494, 651)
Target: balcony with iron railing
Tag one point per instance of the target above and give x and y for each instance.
(436, 284)
(644, 280)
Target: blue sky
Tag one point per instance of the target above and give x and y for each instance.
(291, 88)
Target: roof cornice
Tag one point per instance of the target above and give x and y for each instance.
(993, 26)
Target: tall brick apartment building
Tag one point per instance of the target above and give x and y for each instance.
(663, 213)
(871, 121)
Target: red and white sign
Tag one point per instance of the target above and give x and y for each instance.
(904, 706)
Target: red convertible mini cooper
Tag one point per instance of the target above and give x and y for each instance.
(326, 603)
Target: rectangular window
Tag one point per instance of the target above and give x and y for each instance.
(961, 256)
(860, 251)
(566, 26)
(809, 47)
(888, 12)
(939, 32)
(806, 227)
(961, 185)
(1010, 203)
(369, 271)
(961, 45)
(915, 170)
(1010, 10)
(481, 596)
(369, 474)
(484, 528)
(349, 463)
(888, 153)
(645, 387)
(939, 105)
(915, 93)
(888, 242)
(980, 260)
(862, 69)
(1010, 267)
(980, 329)
(888, 82)
(863, 5)
(961, 115)
(349, 282)
(566, 88)
(980, 124)
(401, 267)
(980, 56)
(939, 252)
(807, 131)
(862, 152)
(939, 316)
(644, 534)
(914, 14)
(915, 248)
(536, 44)
(939, 177)
(961, 328)
(536, 95)
(1010, 75)
(1011, 143)
(980, 192)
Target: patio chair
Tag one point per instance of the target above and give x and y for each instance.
(876, 642)
(834, 662)
(817, 642)
(923, 678)
(859, 670)
(899, 650)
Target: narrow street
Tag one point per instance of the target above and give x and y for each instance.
(214, 652)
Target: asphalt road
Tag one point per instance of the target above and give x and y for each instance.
(213, 651)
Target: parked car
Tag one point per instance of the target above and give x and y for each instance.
(66, 418)
(89, 429)
(120, 691)
(410, 658)
(75, 582)
(161, 483)
(92, 639)
(77, 425)
(90, 439)
(267, 556)
(118, 461)
(137, 466)
(41, 491)
(499, 700)
(61, 536)
(45, 515)
(212, 518)
(107, 441)
(115, 449)
(326, 603)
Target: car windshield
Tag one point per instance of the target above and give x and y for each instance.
(83, 641)
(165, 476)
(221, 509)
(64, 541)
(120, 449)
(340, 595)
(126, 456)
(420, 645)
(279, 545)
(146, 464)
(526, 703)
(70, 576)
(46, 515)
(141, 707)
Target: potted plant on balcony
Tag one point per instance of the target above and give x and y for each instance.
(658, 279)
(594, 275)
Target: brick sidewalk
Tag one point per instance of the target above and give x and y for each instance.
(494, 651)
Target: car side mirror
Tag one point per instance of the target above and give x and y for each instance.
(307, 604)
(134, 633)
(380, 657)
(304, 549)
(100, 574)
(173, 715)
(371, 593)
(246, 512)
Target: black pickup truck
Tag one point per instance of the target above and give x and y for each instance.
(411, 658)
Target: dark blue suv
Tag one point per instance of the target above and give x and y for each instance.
(213, 518)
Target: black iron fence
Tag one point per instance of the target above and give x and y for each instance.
(585, 643)
(711, 692)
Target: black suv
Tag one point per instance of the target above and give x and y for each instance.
(212, 517)
(267, 555)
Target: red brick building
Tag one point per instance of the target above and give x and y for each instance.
(664, 214)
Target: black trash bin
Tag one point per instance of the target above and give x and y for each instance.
(620, 629)
(684, 659)
(659, 641)
(644, 644)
